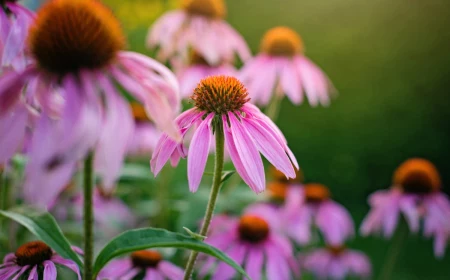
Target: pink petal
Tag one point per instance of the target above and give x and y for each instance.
(12, 131)
(254, 264)
(170, 271)
(224, 271)
(49, 271)
(67, 263)
(290, 82)
(152, 274)
(198, 153)
(34, 275)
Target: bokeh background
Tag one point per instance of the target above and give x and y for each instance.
(389, 60)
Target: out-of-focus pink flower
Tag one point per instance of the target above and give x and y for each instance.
(112, 215)
(221, 103)
(34, 258)
(254, 242)
(310, 205)
(146, 135)
(336, 263)
(415, 194)
(15, 21)
(149, 261)
(198, 26)
(282, 68)
(76, 47)
(198, 68)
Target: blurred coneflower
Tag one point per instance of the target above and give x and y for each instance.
(150, 263)
(76, 47)
(311, 205)
(254, 242)
(199, 26)
(282, 68)
(197, 69)
(336, 262)
(221, 103)
(416, 194)
(15, 21)
(34, 258)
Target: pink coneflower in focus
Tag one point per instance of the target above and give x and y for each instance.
(146, 135)
(336, 262)
(415, 193)
(221, 102)
(198, 26)
(77, 47)
(282, 68)
(148, 261)
(312, 205)
(34, 258)
(15, 21)
(252, 241)
(198, 68)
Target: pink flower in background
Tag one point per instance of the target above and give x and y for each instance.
(253, 242)
(146, 135)
(15, 21)
(310, 205)
(221, 101)
(76, 47)
(336, 263)
(415, 194)
(149, 261)
(198, 69)
(34, 257)
(282, 68)
(198, 26)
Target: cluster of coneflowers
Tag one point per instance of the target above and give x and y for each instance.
(64, 72)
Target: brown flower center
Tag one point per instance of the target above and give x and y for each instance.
(281, 41)
(146, 259)
(70, 35)
(280, 177)
(417, 176)
(139, 113)
(277, 191)
(207, 8)
(316, 193)
(33, 253)
(196, 59)
(220, 95)
(336, 250)
(253, 229)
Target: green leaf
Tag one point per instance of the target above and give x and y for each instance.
(226, 175)
(44, 226)
(145, 238)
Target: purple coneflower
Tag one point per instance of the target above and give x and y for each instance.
(34, 258)
(77, 47)
(253, 242)
(146, 135)
(282, 68)
(336, 262)
(198, 69)
(310, 205)
(15, 21)
(221, 103)
(148, 262)
(415, 194)
(198, 26)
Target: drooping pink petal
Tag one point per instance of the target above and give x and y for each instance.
(115, 136)
(170, 271)
(335, 223)
(248, 155)
(12, 131)
(254, 263)
(290, 82)
(198, 153)
(34, 275)
(67, 263)
(11, 85)
(152, 274)
(49, 271)
(276, 264)
(410, 211)
(116, 268)
(224, 271)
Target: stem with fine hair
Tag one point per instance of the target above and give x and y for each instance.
(394, 251)
(88, 216)
(217, 182)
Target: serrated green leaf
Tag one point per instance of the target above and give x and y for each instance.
(145, 238)
(44, 226)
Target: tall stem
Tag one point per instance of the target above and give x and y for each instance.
(217, 182)
(88, 213)
(273, 108)
(394, 251)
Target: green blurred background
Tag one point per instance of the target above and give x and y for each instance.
(390, 62)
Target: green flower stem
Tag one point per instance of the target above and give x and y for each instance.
(394, 251)
(88, 214)
(273, 109)
(217, 182)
